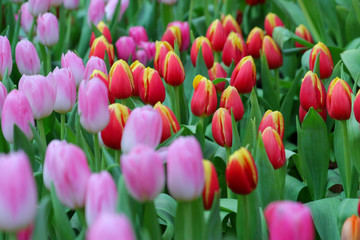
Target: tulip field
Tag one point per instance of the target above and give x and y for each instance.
(185, 120)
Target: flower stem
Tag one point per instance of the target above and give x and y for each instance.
(40, 127)
(177, 103)
(277, 82)
(230, 194)
(81, 216)
(48, 60)
(347, 162)
(31, 32)
(191, 12)
(97, 152)
(150, 221)
(62, 124)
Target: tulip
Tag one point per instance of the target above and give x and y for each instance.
(151, 88)
(121, 81)
(56, 3)
(136, 69)
(27, 59)
(234, 49)
(47, 29)
(274, 147)
(273, 119)
(101, 196)
(172, 34)
(41, 94)
(169, 122)
(338, 99)
(112, 133)
(162, 49)
(144, 173)
(185, 171)
(206, 51)
(26, 17)
(204, 100)
(272, 53)
(356, 105)
(26, 233)
(243, 78)
(185, 33)
(312, 93)
(217, 71)
(144, 126)
(216, 35)
(149, 48)
(6, 57)
(96, 11)
(230, 99)
(304, 33)
(289, 220)
(16, 111)
(111, 6)
(94, 63)
(326, 64)
(66, 90)
(37, 7)
(105, 31)
(125, 48)
(101, 46)
(351, 229)
(140, 55)
(302, 114)
(74, 64)
(71, 4)
(254, 42)
(241, 172)
(255, 2)
(3, 94)
(104, 78)
(138, 33)
(211, 187)
(230, 25)
(65, 166)
(18, 195)
(221, 128)
(272, 21)
(174, 73)
(111, 226)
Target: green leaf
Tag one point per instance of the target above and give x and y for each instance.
(220, 80)
(166, 209)
(236, 143)
(21, 142)
(201, 67)
(4, 145)
(281, 35)
(316, 69)
(293, 188)
(42, 219)
(213, 223)
(150, 222)
(354, 139)
(350, 59)
(347, 208)
(40, 145)
(114, 19)
(267, 85)
(9, 85)
(95, 30)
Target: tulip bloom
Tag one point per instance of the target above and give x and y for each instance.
(230, 99)
(185, 33)
(211, 187)
(144, 126)
(16, 111)
(136, 69)
(217, 71)
(289, 220)
(111, 6)
(151, 87)
(149, 48)
(101, 46)
(272, 21)
(47, 29)
(174, 73)
(274, 147)
(273, 119)
(101, 196)
(125, 47)
(326, 64)
(234, 49)
(6, 57)
(216, 35)
(302, 114)
(356, 107)
(272, 53)
(3, 94)
(27, 59)
(351, 228)
(104, 78)
(71, 4)
(18, 195)
(96, 11)
(204, 100)
(312, 93)
(94, 63)
(162, 49)
(304, 33)
(185, 171)
(66, 167)
(121, 81)
(231, 25)
(241, 172)
(26, 17)
(66, 90)
(37, 7)
(140, 55)
(172, 34)
(338, 99)
(206, 51)
(75, 65)
(243, 78)
(254, 42)
(112, 133)
(105, 31)
(221, 128)
(138, 33)
(169, 122)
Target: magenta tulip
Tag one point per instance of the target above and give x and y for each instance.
(125, 47)
(26, 17)
(5, 57)
(185, 33)
(3, 94)
(94, 63)
(26, 233)
(66, 90)
(47, 29)
(140, 55)
(71, 4)
(96, 11)
(37, 7)
(138, 33)
(149, 49)
(27, 59)
(74, 64)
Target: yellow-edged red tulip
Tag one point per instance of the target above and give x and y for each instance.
(274, 147)
(326, 64)
(231, 25)
(234, 49)
(103, 28)
(121, 81)
(211, 187)
(151, 87)
(206, 51)
(254, 42)
(217, 71)
(230, 99)
(136, 69)
(204, 100)
(169, 122)
(174, 73)
(162, 48)
(272, 53)
(100, 46)
(304, 33)
(272, 21)
(216, 35)
(338, 99)
(312, 93)
(172, 34)
(221, 127)
(243, 78)
(273, 119)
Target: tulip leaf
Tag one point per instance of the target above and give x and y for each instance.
(95, 30)
(293, 187)
(236, 143)
(150, 221)
(316, 69)
(147, 18)
(21, 142)
(109, 161)
(354, 139)
(201, 67)
(166, 208)
(220, 80)
(281, 35)
(267, 85)
(42, 219)
(347, 208)
(213, 223)
(40, 144)
(9, 85)
(115, 18)
(350, 59)
(5, 32)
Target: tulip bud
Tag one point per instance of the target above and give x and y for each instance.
(326, 64)
(136, 69)
(101, 26)
(111, 226)
(356, 108)
(338, 99)
(140, 55)
(272, 21)
(47, 29)
(6, 57)
(304, 33)
(206, 51)
(144, 126)
(125, 47)
(94, 63)
(26, 17)
(351, 229)
(230, 99)
(121, 82)
(174, 73)
(96, 11)
(66, 90)
(217, 71)
(230, 25)
(151, 87)
(112, 133)
(255, 2)
(25, 233)
(234, 49)
(149, 49)
(71, 4)
(138, 33)
(204, 100)
(27, 59)
(185, 171)
(74, 64)
(185, 33)
(172, 34)
(254, 42)
(302, 114)
(101, 196)
(66, 167)
(312, 93)
(241, 172)
(211, 188)
(221, 127)
(274, 147)
(16, 111)
(18, 195)
(37, 7)
(273, 119)
(104, 78)
(272, 53)
(216, 35)
(3, 94)
(169, 122)
(144, 173)
(101, 46)
(243, 78)
(162, 49)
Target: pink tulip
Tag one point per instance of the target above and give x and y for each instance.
(56, 3)
(125, 47)
(101, 196)
(93, 105)
(144, 174)
(289, 220)
(185, 33)
(141, 56)
(96, 11)
(111, 226)
(94, 63)
(185, 171)
(138, 33)
(26, 17)
(66, 166)
(26, 233)
(18, 196)
(27, 59)
(5, 57)
(41, 94)
(74, 64)
(37, 7)
(144, 126)
(47, 29)
(71, 4)
(3, 94)
(16, 111)
(66, 90)
(149, 48)
(111, 6)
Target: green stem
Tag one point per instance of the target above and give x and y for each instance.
(12, 236)
(230, 194)
(41, 130)
(216, 56)
(81, 216)
(123, 101)
(206, 11)
(31, 32)
(48, 60)
(1, 24)
(277, 82)
(16, 34)
(150, 221)
(202, 123)
(97, 152)
(62, 124)
(191, 9)
(117, 156)
(68, 31)
(347, 162)
(242, 217)
(177, 103)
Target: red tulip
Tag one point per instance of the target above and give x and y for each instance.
(206, 51)
(162, 48)
(151, 88)
(221, 127)
(172, 34)
(243, 78)
(169, 122)
(230, 99)
(326, 64)
(211, 187)
(174, 73)
(273, 119)
(103, 28)
(274, 147)
(304, 33)
(234, 49)
(272, 53)
(272, 21)
(136, 69)
(338, 99)
(101, 46)
(230, 25)
(204, 100)
(216, 35)
(254, 42)
(104, 78)
(217, 71)
(312, 93)
(121, 81)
